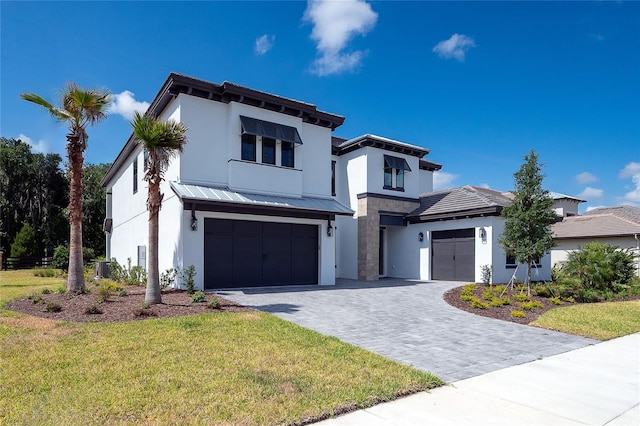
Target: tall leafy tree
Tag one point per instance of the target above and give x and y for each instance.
(94, 206)
(527, 234)
(161, 140)
(79, 108)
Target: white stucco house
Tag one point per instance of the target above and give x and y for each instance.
(263, 194)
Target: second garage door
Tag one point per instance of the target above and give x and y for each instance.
(453, 255)
(241, 253)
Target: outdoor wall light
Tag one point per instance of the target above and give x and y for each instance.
(194, 221)
(483, 235)
(421, 237)
(329, 228)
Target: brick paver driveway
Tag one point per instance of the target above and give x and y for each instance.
(410, 322)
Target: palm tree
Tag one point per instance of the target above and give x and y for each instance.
(80, 107)
(162, 140)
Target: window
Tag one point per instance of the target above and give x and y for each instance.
(333, 178)
(268, 150)
(248, 147)
(286, 159)
(146, 160)
(512, 264)
(399, 179)
(135, 174)
(395, 180)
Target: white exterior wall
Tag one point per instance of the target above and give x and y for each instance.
(425, 178)
(403, 252)
(564, 207)
(375, 173)
(561, 251)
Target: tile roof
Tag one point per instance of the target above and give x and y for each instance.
(602, 222)
(457, 202)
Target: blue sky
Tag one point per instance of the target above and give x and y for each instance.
(478, 83)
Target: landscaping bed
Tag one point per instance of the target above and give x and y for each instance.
(117, 308)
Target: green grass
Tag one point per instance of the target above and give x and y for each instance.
(16, 284)
(223, 368)
(602, 321)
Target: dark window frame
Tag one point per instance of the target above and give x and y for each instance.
(248, 147)
(292, 162)
(388, 178)
(400, 179)
(510, 262)
(135, 175)
(333, 178)
(268, 144)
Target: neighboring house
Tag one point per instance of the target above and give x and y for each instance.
(617, 226)
(248, 202)
(263, 194)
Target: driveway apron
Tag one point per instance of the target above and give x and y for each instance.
(409, 321)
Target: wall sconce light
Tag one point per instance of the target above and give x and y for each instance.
(194, 220)
(329, 228)
(483, 235)
(421, 237)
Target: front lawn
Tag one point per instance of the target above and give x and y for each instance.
(602, 321)
(217, 368)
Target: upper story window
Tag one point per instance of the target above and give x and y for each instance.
(275, 141)
(394, 170)
(135, 174)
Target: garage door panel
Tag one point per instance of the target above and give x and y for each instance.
(276, 260)
(218, 258)
(453, 255)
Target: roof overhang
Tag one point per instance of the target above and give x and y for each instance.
(207, 198)
(382, 143)
(454, 215)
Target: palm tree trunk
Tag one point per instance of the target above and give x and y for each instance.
(75, 280)
(153, 294)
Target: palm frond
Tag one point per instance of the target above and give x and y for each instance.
(57, 113)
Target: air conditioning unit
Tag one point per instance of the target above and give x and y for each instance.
(102, 269)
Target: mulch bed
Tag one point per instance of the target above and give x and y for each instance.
(119, 308)
(452, 297)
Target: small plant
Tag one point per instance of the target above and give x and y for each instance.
(485, 274)
(499, 289)
(53, 307)
(488, 294)
(467, 297)
(541, 290)
(187, 275)
(518, 314)
(36, 298)
(44, 272)
(122, 293)
(479, 304)
(468, 289)
(500, 301)
(522, 297)
(145, 312)
(569, 299)
(167, 278)
(555, 300)
(214, 303)
(61, 289)
(145, 305)
(92, 310)
(198, 297)
(530, 305)
(45, 291)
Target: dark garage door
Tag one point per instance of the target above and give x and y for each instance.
(453, 255)
(240, 253)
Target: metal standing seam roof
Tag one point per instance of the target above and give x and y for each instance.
(225, 195)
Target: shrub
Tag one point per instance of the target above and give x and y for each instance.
(167, 278)
(518, 314)
(61, 257)
(499, 289)
(530, 305)
(106, 288)
(488, 294)
(485, 273)
(45, 291)
(92, 310)
(36, 298)
(198, 297)
(214, 303)
(541, 290)
(53, 307)
(479, 304)
(131, 275)
(188, 278)
(61, 289)
(467, 297)
(600, 266)
(122, 293)
(468, 289)
(44, 272)
(145, 305)
(569, 299)
(25, 243)
(522, 297)
(144, 312)
(555, 300)
(589, 295)
(137, 276)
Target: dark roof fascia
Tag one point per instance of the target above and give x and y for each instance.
(387, 145)
(464, 214)
(429, 165)
(387, 197)
(227, 207)
(595, 237)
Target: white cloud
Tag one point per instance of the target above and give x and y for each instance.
(335, 23)
(585, 178)
(455, 47)
(264, 44)
(632, 170)
(485, 186)
(125, 105)
(40, 147)
(594, 207)
(589, 192)
(443, 180)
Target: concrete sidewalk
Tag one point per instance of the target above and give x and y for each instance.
(594, 385)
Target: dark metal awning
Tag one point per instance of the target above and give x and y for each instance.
(253, 126)
(396, 163)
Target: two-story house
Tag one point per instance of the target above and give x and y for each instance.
(263, 194)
